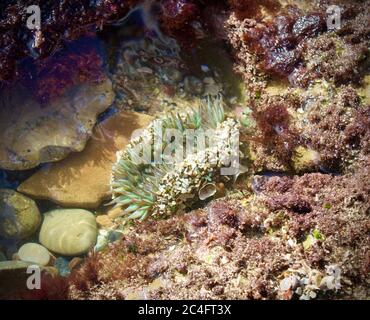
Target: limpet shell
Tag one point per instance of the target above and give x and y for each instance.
(207, 191)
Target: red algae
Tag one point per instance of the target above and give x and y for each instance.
(242, 248)
(62, 20)
(69, 20)
(271, 223)
(49, 78)
(275, 130)
(252, 8)
(294, 44)
(177, 13)
(279, 43)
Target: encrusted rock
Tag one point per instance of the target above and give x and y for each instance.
(13, 277)
(104, 221)
(82, 180)
(33, 134)
(19, 215)
(305, 159)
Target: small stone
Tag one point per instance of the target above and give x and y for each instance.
(114, 235)
(327, 283)
(34, 253)
(115, 213)
(69, 232)
(285, 284)
(205, 68)
(19, 215)
(102, 241)
(305, 159)
(104, 221)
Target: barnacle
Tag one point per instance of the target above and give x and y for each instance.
(149, 180)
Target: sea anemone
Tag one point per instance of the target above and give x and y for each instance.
(158, 188)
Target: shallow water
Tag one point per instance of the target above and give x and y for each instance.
(173, 79)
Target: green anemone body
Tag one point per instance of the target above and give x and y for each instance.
(145, 183)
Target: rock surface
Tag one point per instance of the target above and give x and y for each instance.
(2, 256)
(19, 215)
(69, 232)
(82, 179)
(104, 221)
(33, 134)
(13, 277)
(34, 253)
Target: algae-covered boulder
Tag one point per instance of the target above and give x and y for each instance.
(19, 215)
(32, 133)
(69, 232)
(82, 179)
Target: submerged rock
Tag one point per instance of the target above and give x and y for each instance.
(19, 215)
(33, 134)
(13, 277)
(69, 232)
(105, 237)
(104, 221)
(34, 253)
(2, 256)
(82, 180)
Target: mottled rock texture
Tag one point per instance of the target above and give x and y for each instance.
(82, 179)
(33, 133)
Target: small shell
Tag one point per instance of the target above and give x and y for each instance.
(208, 190)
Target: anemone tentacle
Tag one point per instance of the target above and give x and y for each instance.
(156, 188)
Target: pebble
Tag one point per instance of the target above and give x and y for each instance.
(69, 232)
(115, 213)
(34, 253)
(104, 221)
